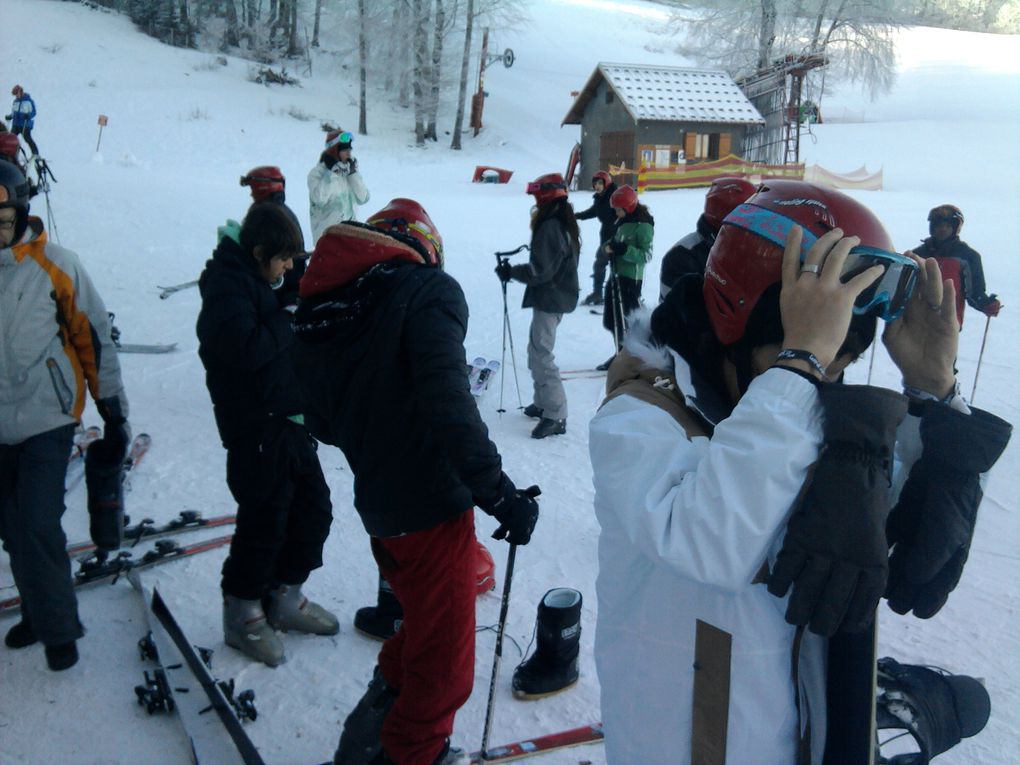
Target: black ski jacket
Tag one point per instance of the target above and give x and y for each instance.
(246, 345)
(970, 266)
(601, 209)
(688, 256)
(381, 362)
(551, 272)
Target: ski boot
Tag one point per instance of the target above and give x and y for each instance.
(548, 427)
(553, 666)
(290, 611)
(21, 635)
(595, 298)
(381, 621)
(936, 708)
(533, 410)
(246, 628)
(359, 742)
(451, 755)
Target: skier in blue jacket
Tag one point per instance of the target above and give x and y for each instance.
(22, 116)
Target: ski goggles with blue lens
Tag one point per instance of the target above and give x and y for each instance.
(887, 297)
(344, 137)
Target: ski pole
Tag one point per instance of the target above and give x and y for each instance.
(503, 608)
(981, 355)
(502, 364)
(871, 363)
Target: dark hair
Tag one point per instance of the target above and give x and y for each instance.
(267, 225)
(641, 214)
(561, 210)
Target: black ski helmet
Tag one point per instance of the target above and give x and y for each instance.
(14, 192)
(945, 213)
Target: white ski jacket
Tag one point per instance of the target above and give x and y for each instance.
(687, 523)
(54, 339)
(332, 196)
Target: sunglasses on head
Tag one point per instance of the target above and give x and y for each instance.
(887, 297)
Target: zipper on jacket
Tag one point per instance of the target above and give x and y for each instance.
(64, 394)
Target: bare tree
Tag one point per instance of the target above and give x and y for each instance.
(465, 60)
(437, 63)
(230, 34)
(315, 26)
(363, 70)
(418, 78)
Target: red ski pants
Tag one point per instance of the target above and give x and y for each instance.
(431, 659)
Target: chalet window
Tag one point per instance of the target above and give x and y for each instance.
(706, 146)
(609, 96)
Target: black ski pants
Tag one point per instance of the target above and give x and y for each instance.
(283, 511)
(630, 297)
(27, 132)
(31, 505)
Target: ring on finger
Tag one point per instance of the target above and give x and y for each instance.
(810, 268)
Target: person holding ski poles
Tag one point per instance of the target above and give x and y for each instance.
(958, 261)
(380, 360)
(602, 184)
(55, 335)
(22, 117)
(550, 276)
(246, 345)
(730, 467)
(628, 252)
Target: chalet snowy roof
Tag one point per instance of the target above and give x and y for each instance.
(669, 94)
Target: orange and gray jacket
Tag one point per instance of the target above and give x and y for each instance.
(54, 339)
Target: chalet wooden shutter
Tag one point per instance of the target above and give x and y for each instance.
(690, 144)
(724, 144)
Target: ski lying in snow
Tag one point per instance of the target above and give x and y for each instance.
(95, 568)
(485, 375)
(221, 694)
(166, 292)
(143, 348)
(586, 734)
(475, 369)
(210, 740)
(76, 463)
(592, 375)
(186, 521)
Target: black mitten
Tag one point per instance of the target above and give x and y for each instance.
(932, 524)
(835, 554)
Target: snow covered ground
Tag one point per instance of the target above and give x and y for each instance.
(143, 211)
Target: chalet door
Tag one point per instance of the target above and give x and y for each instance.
(617, 149)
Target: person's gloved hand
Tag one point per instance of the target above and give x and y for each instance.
(8, 116)
(327, 159)
(616, 249)
(835, 554)
(116, 433)
(992, 307)
(517, 513)
(504, 270)
(932, 524)
(352, 166)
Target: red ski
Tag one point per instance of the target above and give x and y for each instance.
(586, 734)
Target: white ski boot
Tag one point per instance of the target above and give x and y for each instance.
(289, 610)
(245, 628)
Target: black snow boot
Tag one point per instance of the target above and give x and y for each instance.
(359, 742)
(532, 410)
(21, 635)
(595, 298)
(382, 620)
(553, 666)
(62, 656)
(936, 708)
(548, 427)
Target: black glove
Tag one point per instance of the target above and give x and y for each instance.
(328, 160)
(933, 522)
(504, 271)
(116, 433)
(835, 554)
(617, 248)
(517, 513)
(352, 166)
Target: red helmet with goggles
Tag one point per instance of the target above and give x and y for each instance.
(263, 181)
(407, 221)
(747, 256)
(723, 196)
(548, 187)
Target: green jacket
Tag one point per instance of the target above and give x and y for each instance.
(637, 236)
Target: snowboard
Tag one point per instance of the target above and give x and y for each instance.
(851, 689)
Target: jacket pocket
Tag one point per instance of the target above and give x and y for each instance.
(64, 394)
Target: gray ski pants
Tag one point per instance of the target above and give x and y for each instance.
(31, 505)
(549, 393)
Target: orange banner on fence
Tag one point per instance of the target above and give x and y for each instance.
(703, 173)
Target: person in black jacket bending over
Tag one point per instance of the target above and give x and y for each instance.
(283, 508)
(602, 183)
(380, 358)
(551, 279)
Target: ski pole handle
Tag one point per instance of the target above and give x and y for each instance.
(513, 252)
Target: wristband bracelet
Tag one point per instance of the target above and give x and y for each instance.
(795, 354)
(922, 395)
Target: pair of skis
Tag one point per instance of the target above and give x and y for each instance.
(482, 373)
(147, 529)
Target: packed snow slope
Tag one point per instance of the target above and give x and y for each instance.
(142, 211)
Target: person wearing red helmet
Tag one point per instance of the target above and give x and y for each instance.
(380, 359)
(628, 252)
(283, 506)
(603, 186)
(688, 256)
(748, 501)
(335, 187)
(550, 276)
(22, 117)
(957, 260)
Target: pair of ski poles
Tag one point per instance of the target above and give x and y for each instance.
(503, 257)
